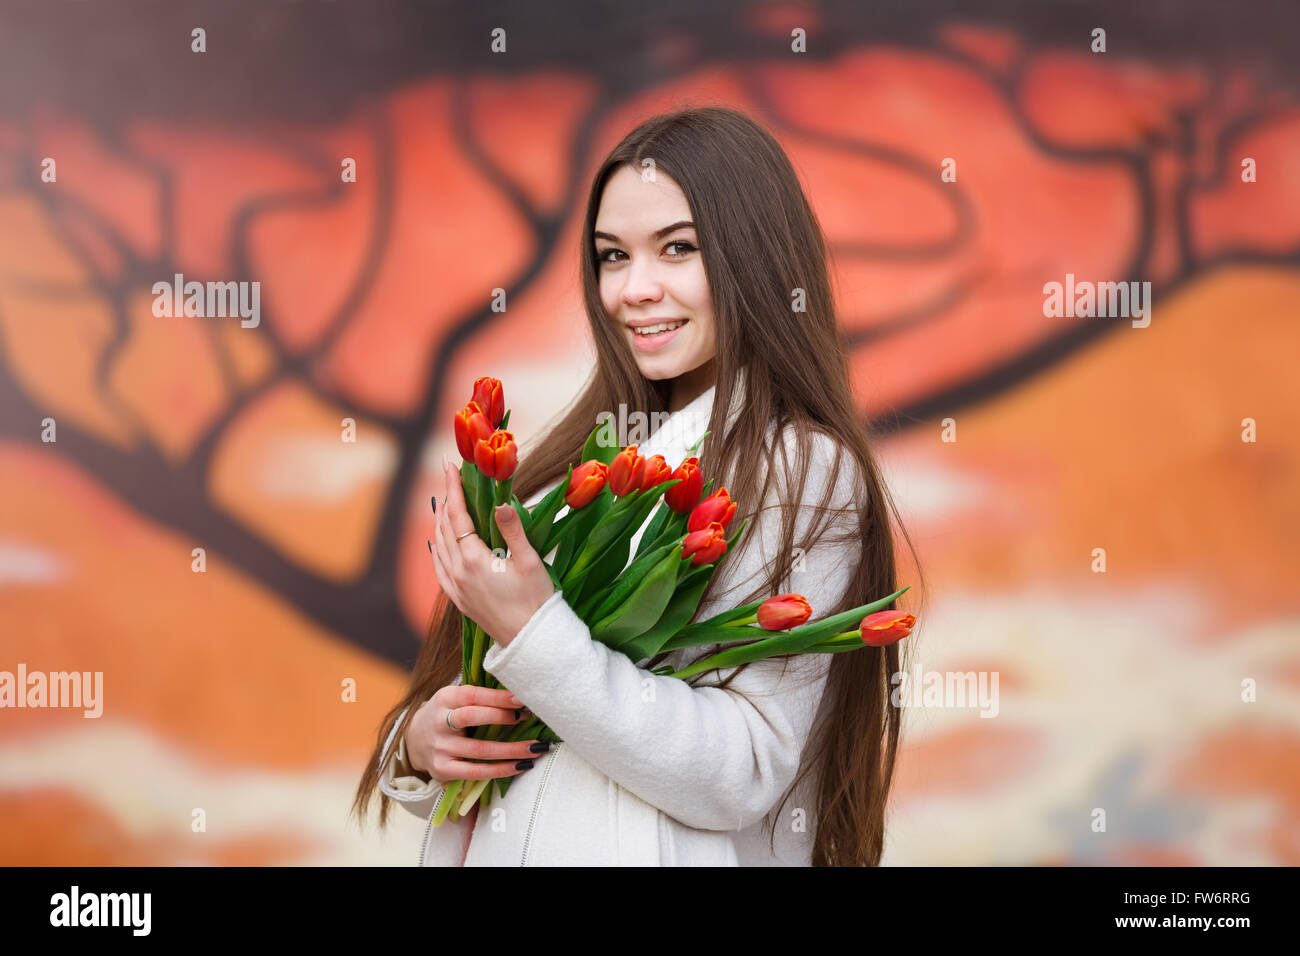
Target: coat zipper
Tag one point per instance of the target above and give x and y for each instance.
(532, 821)
(424, 847)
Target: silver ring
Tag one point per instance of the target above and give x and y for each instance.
(449, 723)
(465, 535)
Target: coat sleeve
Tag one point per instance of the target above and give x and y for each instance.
(712, 758)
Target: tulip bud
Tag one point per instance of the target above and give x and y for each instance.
(497, 455)
(717, 507)
(783, 612)
(656, 472)
(491, 399)
(886, 627)
(586, 483)
(626, 472)
(682, 497)
(470, 426)
(706, 545)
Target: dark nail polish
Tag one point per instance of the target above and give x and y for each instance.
(434, 499)
(518, 714)
(540, 747)
(524, 765)
(430, 544)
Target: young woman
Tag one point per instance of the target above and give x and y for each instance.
(695, 223)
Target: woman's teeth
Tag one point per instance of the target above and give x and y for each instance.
(661, 327)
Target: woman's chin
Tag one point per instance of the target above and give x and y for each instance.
(660, 371)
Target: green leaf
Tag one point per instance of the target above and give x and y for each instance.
(575, 527)
(630, 578)
(673, 529)
(643, 607)
(537, 525)
(627, 513)
(699, 441)
(469, 475)
(602, 443)
(483, 491)
(732, 615)
(523, 514)
(654, 528)
(505, 421)
(696, 635)
(597, 577)
(685, 602)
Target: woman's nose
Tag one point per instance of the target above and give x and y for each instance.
(643, 283)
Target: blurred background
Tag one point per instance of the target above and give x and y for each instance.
(247, 680)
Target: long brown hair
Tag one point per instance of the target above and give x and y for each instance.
(762, 247)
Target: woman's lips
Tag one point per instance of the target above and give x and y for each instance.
(653, 343)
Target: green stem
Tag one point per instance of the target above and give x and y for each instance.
(453, 791)
(844, 641)
(476, 653)
(500, 496)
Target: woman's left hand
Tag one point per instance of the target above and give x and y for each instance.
(501, 595)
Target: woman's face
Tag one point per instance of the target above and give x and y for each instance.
(651, 272)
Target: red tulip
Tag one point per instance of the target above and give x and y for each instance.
(685, 496)
(656, 472)
(783, 612)
(706, 545)
(886, 627)
(497, 455)
(586, 483)
(489, 397)
(471, 426)
(717, 507)
(626, 472)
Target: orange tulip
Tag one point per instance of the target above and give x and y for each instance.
(706, 545)
(497, 455)
(626, 472)
(586, 483)
(490, 398)
(783, 612)
(681, 498)
(471, 426)
(886, 627)
(656, 472)
(717, 507)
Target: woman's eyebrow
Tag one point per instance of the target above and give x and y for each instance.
(659, 234)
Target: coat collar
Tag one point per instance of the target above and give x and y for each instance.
(684, 427)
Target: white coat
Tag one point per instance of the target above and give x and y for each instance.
(651, 771)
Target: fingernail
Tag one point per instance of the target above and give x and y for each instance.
(516, 701)
(540, 747)
(434, 499)
(430, 543)
(518, 714)
(523, 765)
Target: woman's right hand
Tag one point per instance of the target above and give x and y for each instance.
(440, 751)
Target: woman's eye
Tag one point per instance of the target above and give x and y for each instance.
(688, 248)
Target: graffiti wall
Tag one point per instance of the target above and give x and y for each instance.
(1066, 254)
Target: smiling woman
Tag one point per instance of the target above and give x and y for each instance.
(688, 266)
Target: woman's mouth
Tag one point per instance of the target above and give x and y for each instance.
(654, 337)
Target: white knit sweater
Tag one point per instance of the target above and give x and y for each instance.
(652, 771)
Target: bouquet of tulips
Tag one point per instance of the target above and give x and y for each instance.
(640, 602)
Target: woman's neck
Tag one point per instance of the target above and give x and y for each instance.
(689, 386)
